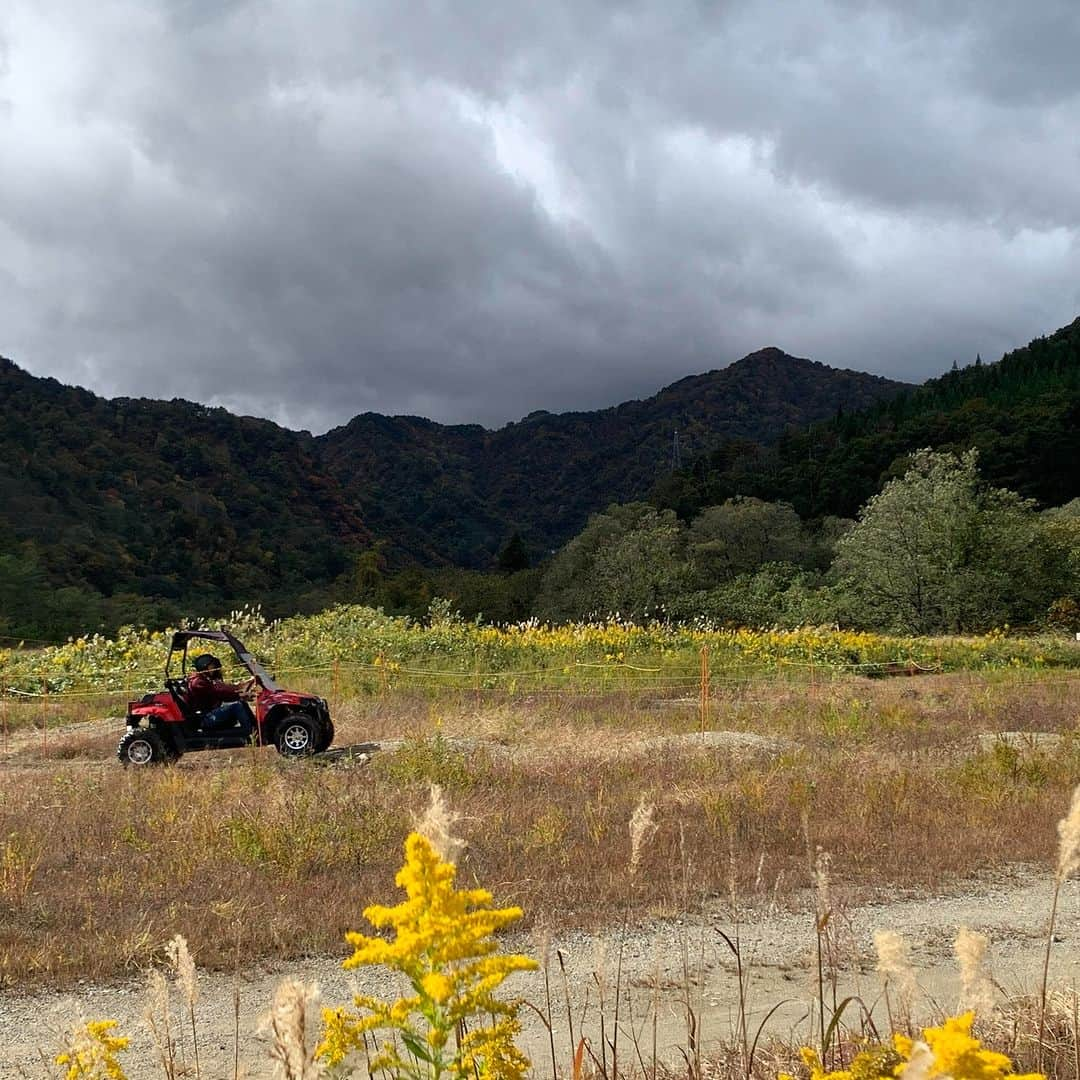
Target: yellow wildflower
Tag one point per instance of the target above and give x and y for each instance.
(91, 1054)
(957, 1053)
(437, 987)
(443, 944)
(948, 1051)
(491, 1053)
(873, 1063)
(342, 1034)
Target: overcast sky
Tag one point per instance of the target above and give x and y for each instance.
(468, 210)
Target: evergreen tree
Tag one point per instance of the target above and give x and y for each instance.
(514, 556)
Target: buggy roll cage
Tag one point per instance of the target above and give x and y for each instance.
(180, 645)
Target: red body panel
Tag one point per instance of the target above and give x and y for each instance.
(161, 706)
(267, 699)
(164, 707)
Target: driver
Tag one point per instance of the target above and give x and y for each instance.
(223, 705)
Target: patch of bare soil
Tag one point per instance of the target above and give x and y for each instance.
(84, 740)
(777, 947)
(741, 744)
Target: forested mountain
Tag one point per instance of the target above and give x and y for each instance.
(455, 494)
(1022, 414)
(137, 509)
(106, 502)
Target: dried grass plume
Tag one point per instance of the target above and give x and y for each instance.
(642, 829)
(1069, 839)
(894, 965)
(184, 966)
(436, 824)
(976, 986)
(157, 1015)
(920, 1064)
(294, 1031)
(822, 861)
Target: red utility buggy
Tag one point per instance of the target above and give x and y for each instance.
(161, 727)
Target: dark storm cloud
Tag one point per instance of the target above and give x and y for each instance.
(471, 211)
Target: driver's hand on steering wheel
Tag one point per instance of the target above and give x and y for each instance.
(248, 688)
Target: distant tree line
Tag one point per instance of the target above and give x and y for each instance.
(937, 550)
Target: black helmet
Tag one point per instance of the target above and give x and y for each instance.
(206, 662)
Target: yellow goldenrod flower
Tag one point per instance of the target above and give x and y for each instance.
(957, 1053)
(948, 1051)
(442, 942)
(91, 1053)
(342, 1034)
(491, 1053)
(437, 987)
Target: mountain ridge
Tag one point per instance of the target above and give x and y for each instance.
(608, 454)
(1022, 413)
(752, 359)
(117, 504)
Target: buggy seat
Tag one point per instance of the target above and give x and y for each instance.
(178, 689)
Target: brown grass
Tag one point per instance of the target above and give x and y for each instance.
(99, 867)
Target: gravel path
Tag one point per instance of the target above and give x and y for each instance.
(1012, 908)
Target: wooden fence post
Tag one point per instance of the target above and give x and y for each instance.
(45, 718)
(704, 689)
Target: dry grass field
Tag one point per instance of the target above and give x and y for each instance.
(908, 783)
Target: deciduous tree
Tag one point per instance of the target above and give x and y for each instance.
(939, 550)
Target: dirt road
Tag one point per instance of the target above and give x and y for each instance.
(1011, 909)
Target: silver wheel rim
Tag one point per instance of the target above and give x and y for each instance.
(140, 752)
(296, 737)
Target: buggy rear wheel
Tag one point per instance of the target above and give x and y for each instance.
(297, 735)
(142, 747)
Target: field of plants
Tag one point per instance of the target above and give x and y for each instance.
(364, 650)
(758, 757)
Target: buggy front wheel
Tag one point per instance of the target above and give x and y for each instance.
(327, 736)
(297, 736)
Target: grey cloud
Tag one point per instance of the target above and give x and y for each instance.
(470, 212)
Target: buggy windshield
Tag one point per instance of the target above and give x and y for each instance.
(257, 670)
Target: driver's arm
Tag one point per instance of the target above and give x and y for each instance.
(230, 691)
